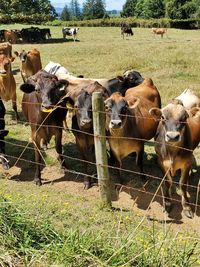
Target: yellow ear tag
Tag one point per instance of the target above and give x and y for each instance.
(47, 110)
(68, 105)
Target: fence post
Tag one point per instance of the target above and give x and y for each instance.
(100, 148)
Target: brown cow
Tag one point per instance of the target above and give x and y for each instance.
(12, 36)
(7, 82)
(159, 31)
(177, 135)
(129, 123)
(82, 125)
(6, 49)
(44, 108)
(31, 62)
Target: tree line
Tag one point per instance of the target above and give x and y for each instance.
(42, 10)
(172, 9)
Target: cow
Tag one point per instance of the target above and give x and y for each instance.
(31, 35)
(7, 82)
(43, 105)
(176, 138)
(30, 62)
(55, 68)
(12, 36)
(189, 99)
(45, 33)
(159, 31)
(126, 29)
(82, 124)
(128, 122)
(3, 159)
(130, 78)
(70, 32)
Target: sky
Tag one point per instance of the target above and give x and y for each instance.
(110, 4)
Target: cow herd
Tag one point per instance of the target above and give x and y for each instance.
(133, 115)
(33, 35)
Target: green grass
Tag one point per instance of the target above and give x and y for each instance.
(59, 223)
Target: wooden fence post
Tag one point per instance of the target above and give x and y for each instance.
(100, 148)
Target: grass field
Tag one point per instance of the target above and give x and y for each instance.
(60, 224)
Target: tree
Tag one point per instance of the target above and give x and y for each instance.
(65, 14)
(181, 9)
(75, 9)
(128, 9)
(150, 9)
(94, 9)
(27, 7)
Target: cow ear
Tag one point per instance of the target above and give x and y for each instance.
(156, 113)
(69, 102)
(133, 103)
(120, 78)
(16, 53)
(193, 112)
(27, 88)
(62, 84)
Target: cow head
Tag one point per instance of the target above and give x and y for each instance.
(22, 55)
(173, 118)
(117, 109)
(83, 110)
(132, 78)
(5, 65)
(49, 89)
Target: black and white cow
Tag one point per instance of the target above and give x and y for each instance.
(70, 32)
(3, 160)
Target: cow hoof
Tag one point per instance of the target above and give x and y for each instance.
(188, 213)
(38, 183)
(168, 207)
(87, 185)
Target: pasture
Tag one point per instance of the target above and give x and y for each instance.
(60, 224)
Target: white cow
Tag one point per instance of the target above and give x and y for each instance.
(189, 99)
(55, 68)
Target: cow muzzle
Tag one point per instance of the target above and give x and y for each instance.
(115, 124)
(172, 136)
(5, 162)
(86, 123)
(3, 73)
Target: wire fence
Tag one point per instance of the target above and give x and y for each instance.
(131, 189)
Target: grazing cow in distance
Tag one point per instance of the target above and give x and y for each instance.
(12, 36)
(82, 124)
(7, 82)
(128, 122)
(126, 29)
(159, 31)
(30, 62)
(55, 68)
(43, 105)
(189, 99)
(3, 160)
(70, 32)
(176, 138)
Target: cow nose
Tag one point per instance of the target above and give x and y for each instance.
(115, 123)
(2, 72)
(85, 121)
(172, 136)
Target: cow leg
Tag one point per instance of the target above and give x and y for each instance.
(14, 106)
(58, 141)
(183, 187)
(38, 161)
(139, 163)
